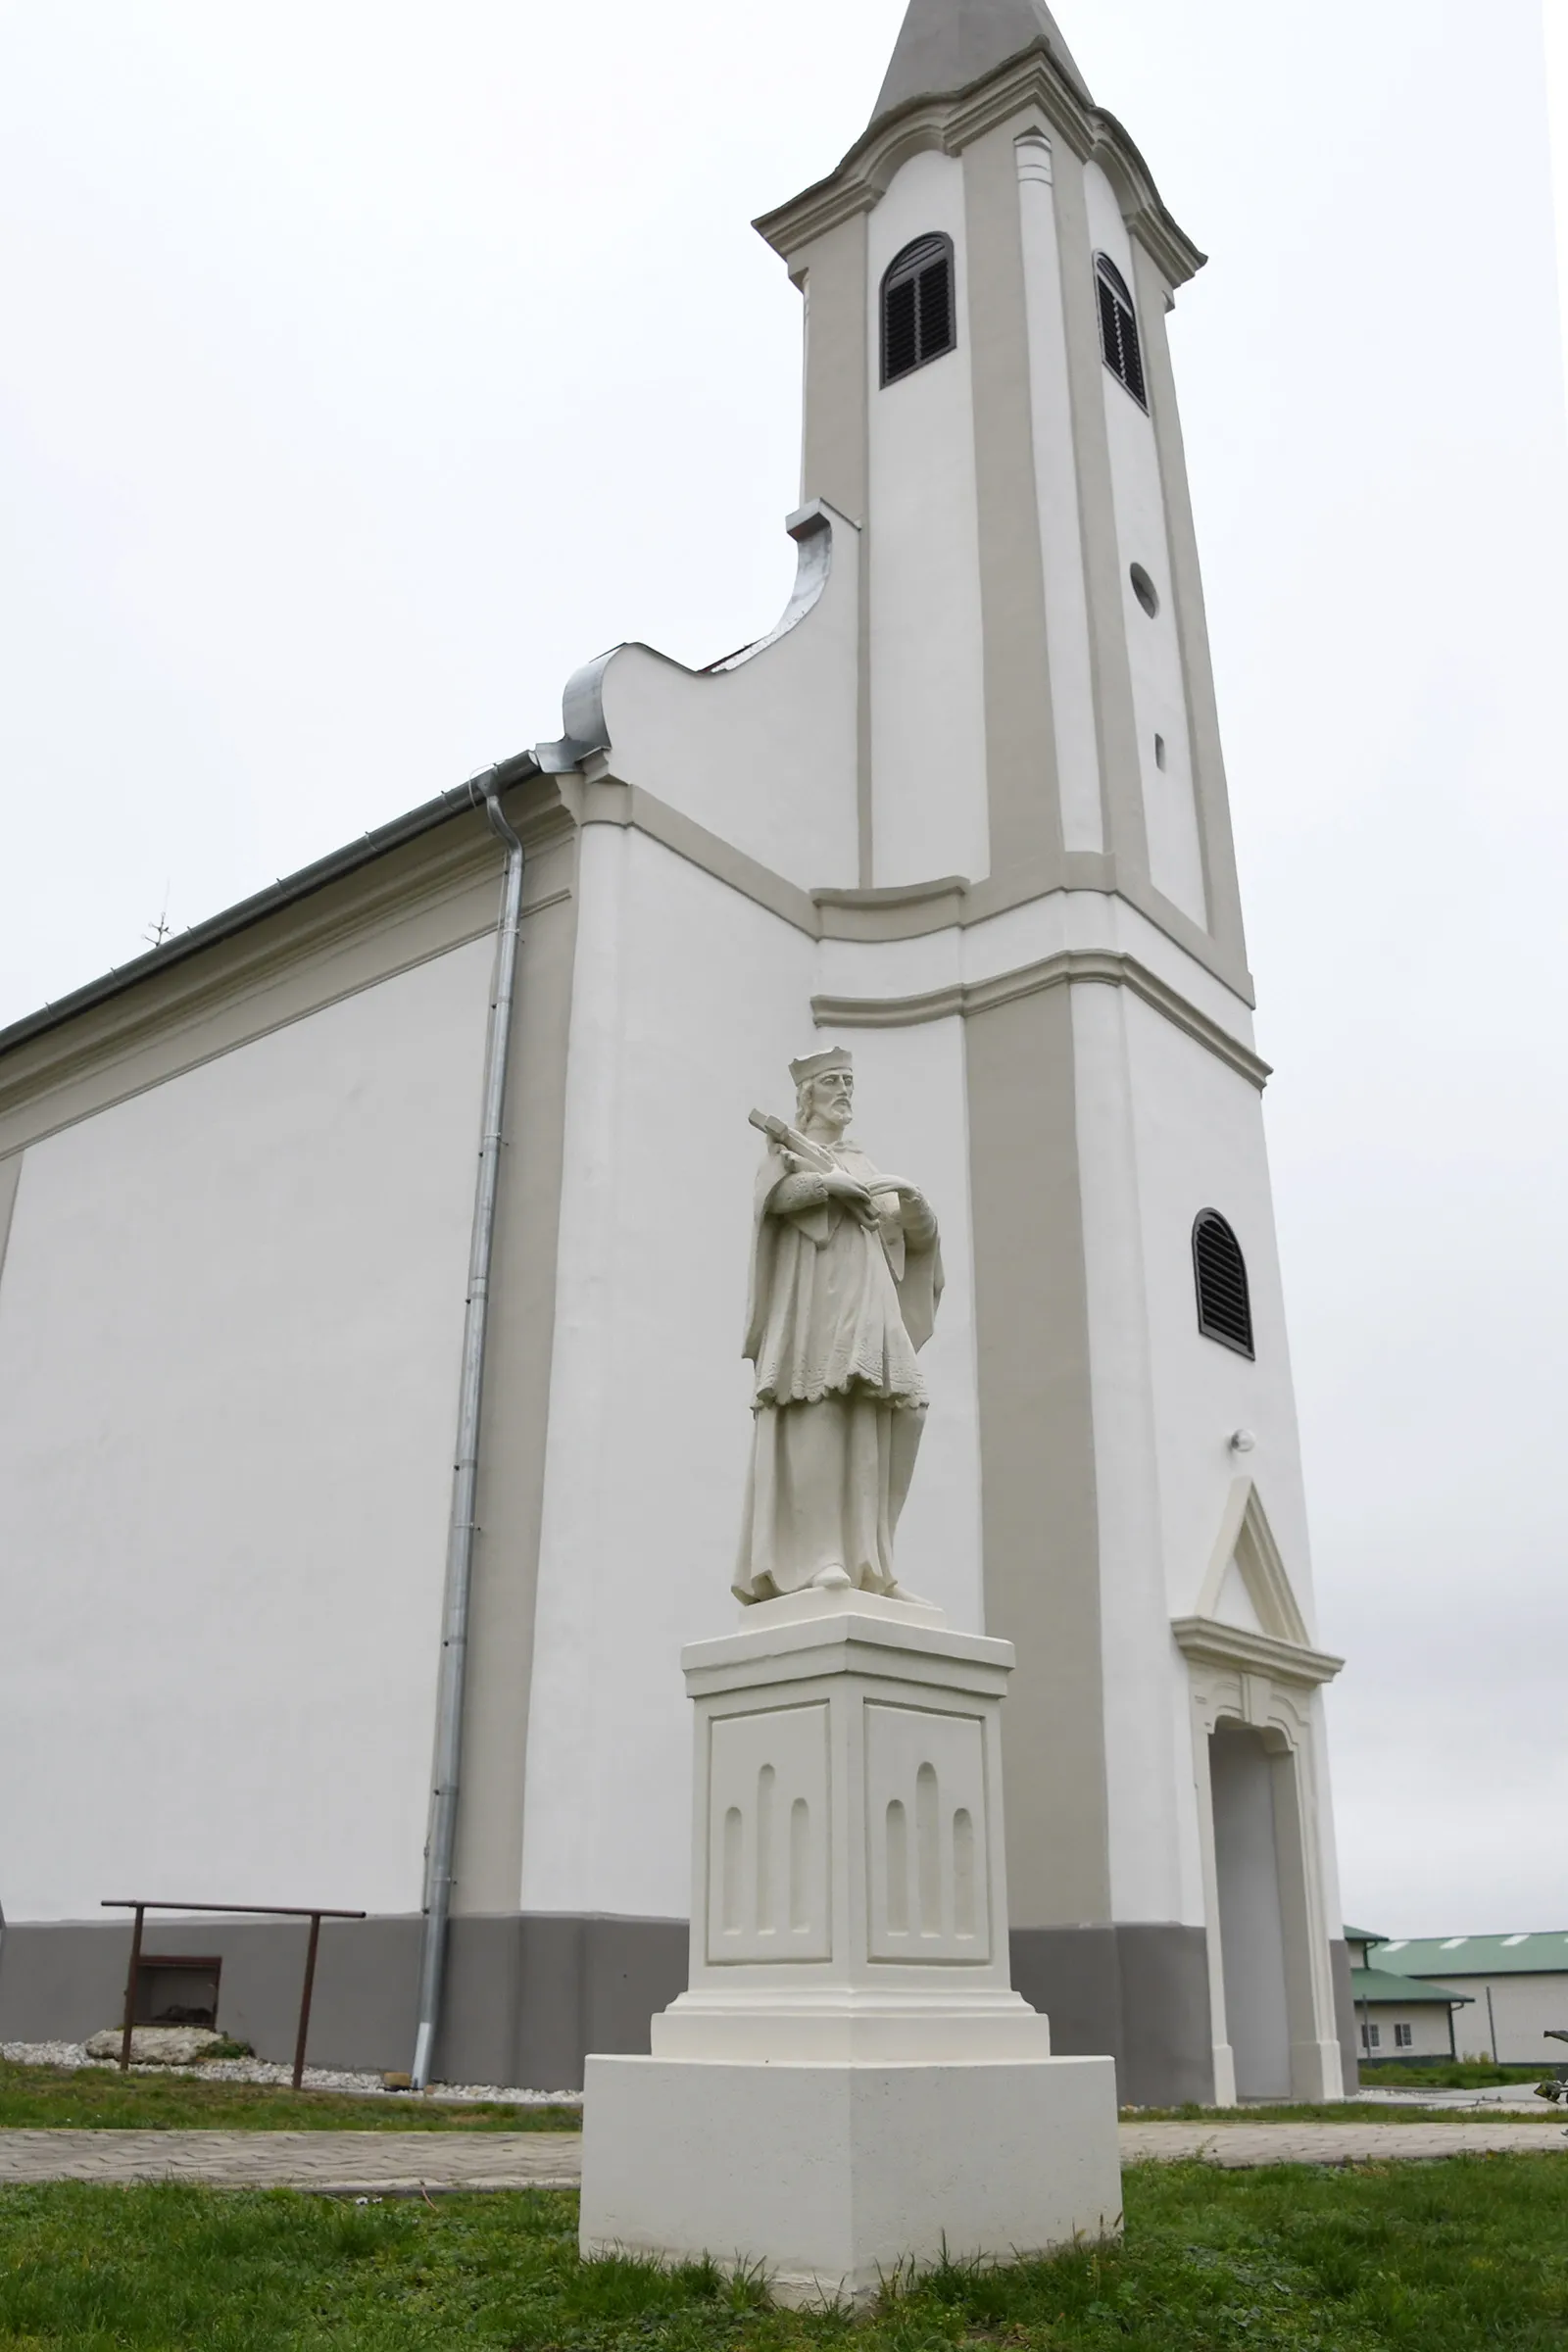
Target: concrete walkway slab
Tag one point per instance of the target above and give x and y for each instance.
(388, 2163)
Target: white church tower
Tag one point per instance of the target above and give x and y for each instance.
(964, 811)
(996, 767)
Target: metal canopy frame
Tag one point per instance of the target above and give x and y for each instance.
(316, 1916)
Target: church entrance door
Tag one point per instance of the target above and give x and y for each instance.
(1244, 1781)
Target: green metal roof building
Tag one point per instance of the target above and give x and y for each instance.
(1512, 1991)
(1400, 2017)
(1529, 1955)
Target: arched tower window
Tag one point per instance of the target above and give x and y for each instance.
(919, 317)
(1224, 1301)
(1118, 329)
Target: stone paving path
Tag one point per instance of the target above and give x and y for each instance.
(1245, 2145)
(344, 2163)
(378, 2163)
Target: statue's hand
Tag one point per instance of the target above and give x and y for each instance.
(846, 1188)
(903, 1205)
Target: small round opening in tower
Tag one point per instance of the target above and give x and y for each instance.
(1144, 589)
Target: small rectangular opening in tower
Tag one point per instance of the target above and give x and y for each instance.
(1159, 751)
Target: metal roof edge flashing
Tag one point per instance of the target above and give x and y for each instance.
(458, 800)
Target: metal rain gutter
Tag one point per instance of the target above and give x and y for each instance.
(441, 1845)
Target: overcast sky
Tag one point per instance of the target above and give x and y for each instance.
(367, 365)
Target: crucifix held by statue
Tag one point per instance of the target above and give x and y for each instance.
(845, 1279)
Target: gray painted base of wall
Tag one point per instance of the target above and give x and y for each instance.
(1136, 1992)
(538, 1993)
(529, 1998)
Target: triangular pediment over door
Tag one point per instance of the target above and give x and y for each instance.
(1248, 1585)
(1247, 1620)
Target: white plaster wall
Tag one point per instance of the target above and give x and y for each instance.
(1523, 2007)
(229, 1334)
(1143, 1699)
(928, 777)
(1185, 1867)
(1200, 1142)
(1071, 665)
(1234, 1605)
(891, 968)
(766, 755)
(1429, 2030)
(1165, 1130)
(1168, 1130)
(1327, 1846)
(1159, 699)
(690, 1002)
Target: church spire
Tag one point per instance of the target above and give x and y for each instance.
(947, 44)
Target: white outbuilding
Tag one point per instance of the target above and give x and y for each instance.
(1400, 2020)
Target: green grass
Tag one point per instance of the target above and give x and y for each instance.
(99, 2098)
(1453, 2073)
(1469, 2256)
(48, 2097)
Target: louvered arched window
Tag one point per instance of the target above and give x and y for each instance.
(1224, 1302)
(1118, 329)
(919, 317)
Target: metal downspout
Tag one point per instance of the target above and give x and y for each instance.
(441, 1845)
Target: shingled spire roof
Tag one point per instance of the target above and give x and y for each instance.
(947, 44)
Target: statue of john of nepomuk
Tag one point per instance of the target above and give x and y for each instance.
(845, 1278)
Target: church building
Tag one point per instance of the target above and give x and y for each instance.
(964, 812)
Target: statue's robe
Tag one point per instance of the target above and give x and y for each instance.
(838, 1312)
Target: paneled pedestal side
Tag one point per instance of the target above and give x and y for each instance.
(849, 2082)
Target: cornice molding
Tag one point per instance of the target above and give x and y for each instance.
(1072, 966)
(1033, 78)
(411, 868)
(1144, 209)
(598, 797)
(1214, 1643)
(916, 909)
(901, 910)
(911, 909)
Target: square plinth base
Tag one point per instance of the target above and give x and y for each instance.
(834, 2178)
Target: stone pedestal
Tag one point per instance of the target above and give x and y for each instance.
(850, 2085)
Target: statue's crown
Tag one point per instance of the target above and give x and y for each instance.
(817, 1065)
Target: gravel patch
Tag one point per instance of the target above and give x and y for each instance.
(68, 2055)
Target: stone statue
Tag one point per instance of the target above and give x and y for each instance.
(846, 1277)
